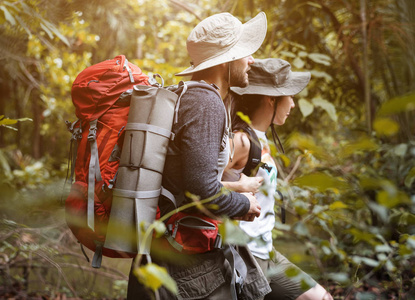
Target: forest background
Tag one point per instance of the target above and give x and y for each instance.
(347, 175)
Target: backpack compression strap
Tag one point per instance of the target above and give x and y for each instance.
(94, 172)
(73, 150)
(239, 270)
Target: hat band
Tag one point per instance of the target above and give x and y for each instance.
(263, 81)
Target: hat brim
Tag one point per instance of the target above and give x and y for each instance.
(252, 37)
(296, 82)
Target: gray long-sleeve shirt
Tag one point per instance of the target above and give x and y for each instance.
(194, 167)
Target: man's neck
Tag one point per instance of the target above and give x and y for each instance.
(217, 76)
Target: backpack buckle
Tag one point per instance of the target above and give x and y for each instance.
(77, 134)
(218, 242)
(92, 131)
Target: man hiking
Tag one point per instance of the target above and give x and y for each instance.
(220, 48)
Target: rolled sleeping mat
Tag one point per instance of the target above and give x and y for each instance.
(138, 184)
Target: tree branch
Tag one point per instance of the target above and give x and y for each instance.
(186, 8)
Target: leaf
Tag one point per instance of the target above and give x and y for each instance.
(411, 241)
(385, 126)
(303, 93)
(154, 276)
(381, 211)
(7, 121)
(366, 296)
(327, 106)
(306, 107)
(298, 63)
(337, 205)
(364, 144)
(340, 277)
(8, 15)
(316, 5)
(391, 200)
(285, 159)
(320, 58)
(292, 272)
(397, 105)
(283, 227)
(301, 229)
(410, 177)
(326, 250)
(370, 183)
(243, 117)
(368, 261)
(4, 165)
(53, 28)
(159, 228)
(232, 234)
(307, 143)
(319, 74)
(383, 248)
(321, 182)
(287, 54)
(46, 29)
(400, 150)
(390, 266)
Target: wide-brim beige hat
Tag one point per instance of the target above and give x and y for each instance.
(223, 38)
(273, 77)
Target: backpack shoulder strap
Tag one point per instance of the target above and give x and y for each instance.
(182, 88)
(254, 157)
(204, 85)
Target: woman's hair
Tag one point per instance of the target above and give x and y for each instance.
(248, 105)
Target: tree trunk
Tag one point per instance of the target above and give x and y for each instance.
(18, 114)
(365, 68)
(36, 138)
(5, 94)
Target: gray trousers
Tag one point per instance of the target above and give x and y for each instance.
(284, 287)
(203, 276)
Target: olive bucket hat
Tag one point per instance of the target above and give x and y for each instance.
(223, 38)
(273, 77)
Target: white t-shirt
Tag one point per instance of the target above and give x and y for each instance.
(262, 226)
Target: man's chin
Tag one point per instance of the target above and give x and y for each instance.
(245, 84)
(241, 84)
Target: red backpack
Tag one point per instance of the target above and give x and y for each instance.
(101, 95)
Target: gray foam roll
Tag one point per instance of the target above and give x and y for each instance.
(138, 183)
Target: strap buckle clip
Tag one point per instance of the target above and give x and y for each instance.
(92, 131)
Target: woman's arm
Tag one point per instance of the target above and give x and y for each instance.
(240, 146)
(245, 184)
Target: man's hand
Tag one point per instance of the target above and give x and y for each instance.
(254, 209)
(250, 184)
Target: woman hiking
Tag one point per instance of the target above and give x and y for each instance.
(267, 101)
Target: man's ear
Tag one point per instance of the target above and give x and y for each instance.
(270, 100)
(224, 66)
